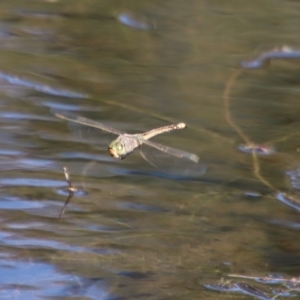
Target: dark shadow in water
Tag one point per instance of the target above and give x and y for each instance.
(290, 287)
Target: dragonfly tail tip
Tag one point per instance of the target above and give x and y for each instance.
(181, 125)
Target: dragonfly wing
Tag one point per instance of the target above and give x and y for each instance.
(172, 161)
(91, 135)
(172, 151)
(87, 122)
(89, 131)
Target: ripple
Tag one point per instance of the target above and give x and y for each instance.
(24, 116)
(31, 182)
(135, 21)
(21, 282)
(64, 191)
(18, 81)
(258, 149)
(15, 203)
(83, 155)
(141, 207)
(11, 152)
(294, 177)
(34, 163)
(292, 201)
(18, 241)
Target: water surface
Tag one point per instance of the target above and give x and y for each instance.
(133, 231)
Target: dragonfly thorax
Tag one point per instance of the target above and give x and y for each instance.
(123, 145)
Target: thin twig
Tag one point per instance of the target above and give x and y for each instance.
(71, 188)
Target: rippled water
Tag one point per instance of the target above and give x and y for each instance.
(132, 231)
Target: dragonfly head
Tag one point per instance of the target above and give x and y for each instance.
(117, 150)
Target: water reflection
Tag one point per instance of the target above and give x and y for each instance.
(136, 233)
(135, 21)
(16, 82)
(25, 279)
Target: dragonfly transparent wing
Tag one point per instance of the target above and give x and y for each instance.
(89, 131)
(90, 135)
(172, 161)
(88, 122)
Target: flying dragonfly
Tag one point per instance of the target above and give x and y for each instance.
(127, 143)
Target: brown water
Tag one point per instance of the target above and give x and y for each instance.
(133, 231)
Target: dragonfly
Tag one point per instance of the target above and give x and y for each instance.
(126, 143)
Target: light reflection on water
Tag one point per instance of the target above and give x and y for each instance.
(36, 280)
(133, 231)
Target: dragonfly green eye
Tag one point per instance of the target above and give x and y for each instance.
(120, 147)
(117, 150)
